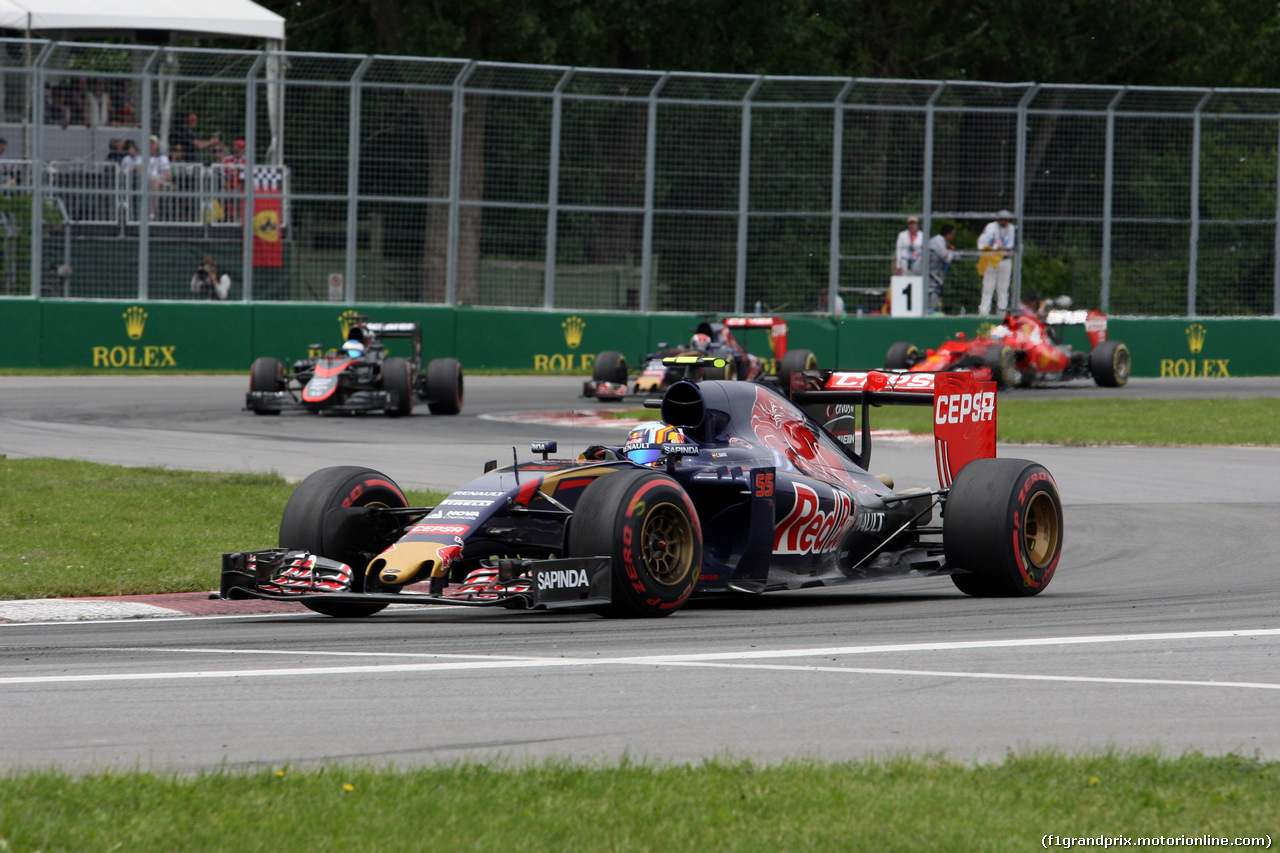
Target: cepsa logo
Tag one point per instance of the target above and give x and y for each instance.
(965, 408)
(147, 355)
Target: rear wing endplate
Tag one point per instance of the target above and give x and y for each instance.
(964, 409)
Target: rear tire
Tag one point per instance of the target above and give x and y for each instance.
(793, 360)
(444, 386)
(646, 523)
(610, 366)
(1003, 362)
(397, 378)
(1002, 523)
(266, 374)
(903, 355)
(1109, 364)
(313, 521)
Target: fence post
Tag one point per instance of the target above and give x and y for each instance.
(455, 183)
(837, 202)
(36, 158)
(353, 179)
(553, 189)
(149, 79)
(744, 199)
(1193, 258)
(1108, 199)
(650, 170)
(1019, 192)
(926, 215)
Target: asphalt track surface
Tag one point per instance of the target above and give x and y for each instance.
(1161, 629)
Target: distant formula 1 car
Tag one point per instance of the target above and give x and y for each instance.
(737, 490)
(1024, 350)
(359, 378)
(612, 379)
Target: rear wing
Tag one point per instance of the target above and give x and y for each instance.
(777, 330)
(1094, 322)
(412, 331)
(964, 409)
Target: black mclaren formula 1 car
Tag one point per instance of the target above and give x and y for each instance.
(360, 377)
(747, 492)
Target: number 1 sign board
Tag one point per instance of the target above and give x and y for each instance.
(906, 296)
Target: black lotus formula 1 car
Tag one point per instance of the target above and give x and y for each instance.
(757, 494)
(612, 379)
(360, 379)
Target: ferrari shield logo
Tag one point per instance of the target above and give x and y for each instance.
(266, 225)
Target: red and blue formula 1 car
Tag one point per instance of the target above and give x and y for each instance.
(612, 379)
(361, 377)
(747, 491)
(1024, 350)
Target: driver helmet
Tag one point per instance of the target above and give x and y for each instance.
(353, 348)
(701, 342)
(999, 333)
(644, 442)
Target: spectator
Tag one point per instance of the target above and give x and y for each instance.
(126, 114)
(77, 100)
(941, 253)
(233, 179)
(207, 284)
(115, 150)
(98, 105)
(56, 109)
(184, 181)
(185, 135)
(8, 174)
(131, 159)
(996, 243)
(160, 172)
(906, 260)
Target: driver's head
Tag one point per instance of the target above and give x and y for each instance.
(353, 348)
(644, 442)
(701, 342)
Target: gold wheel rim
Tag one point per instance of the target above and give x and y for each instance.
(666, 544)
(1040, 530)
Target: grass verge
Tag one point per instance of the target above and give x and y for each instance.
(900, 804)
(71, 528)
(1090, 422)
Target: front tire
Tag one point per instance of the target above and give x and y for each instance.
(314, 521)
(903, 355)
(266, 375)
(1002, 523)
(646, 523)
(1109, 364)
(444, 386)
(397, 378)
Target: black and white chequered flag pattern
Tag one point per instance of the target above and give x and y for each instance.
(267, 179)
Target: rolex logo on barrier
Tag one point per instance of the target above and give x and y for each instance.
(135, 320)
(1195, 337)
(573, 327)
(150, 355)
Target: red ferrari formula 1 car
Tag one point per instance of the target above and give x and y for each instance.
(612, 379)
(737, 490)
(1024, 350)
(360, 377)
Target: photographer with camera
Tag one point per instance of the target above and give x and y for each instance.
(207, 284)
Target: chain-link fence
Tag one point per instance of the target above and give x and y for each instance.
(391, 179)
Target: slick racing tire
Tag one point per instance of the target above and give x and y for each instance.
(1003, 362)
(793, 360)
(610, 366)
(266, 374)
(397, 378)
(314, 521)
(903, 355)
(1109, 364)
(1002, 524)
(713, 373)
(444, 386)
(646, 523)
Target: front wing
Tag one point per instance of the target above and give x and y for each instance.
(357, 401)
(280, 574)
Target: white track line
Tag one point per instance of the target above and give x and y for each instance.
(455, 663)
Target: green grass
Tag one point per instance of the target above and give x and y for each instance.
(899, 804)
(77, 528)
(1085, 422)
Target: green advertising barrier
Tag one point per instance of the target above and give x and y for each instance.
(184, 335)
(171, 336)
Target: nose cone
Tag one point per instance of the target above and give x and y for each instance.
(407, 562)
